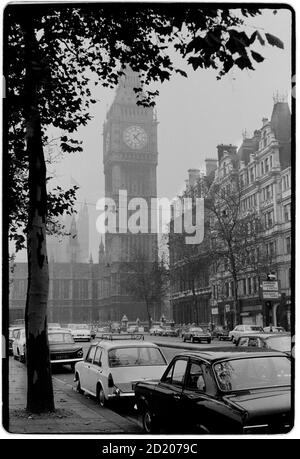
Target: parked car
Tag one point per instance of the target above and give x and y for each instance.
(63, 349)
(169, 331)
(240, 330)
(197, 334)
(19, 345)
(272, 329)
(156, 330)
(111, 367)
(12, 333)
(219, 392)
(80, 332)
(221, 333)
(277, 341)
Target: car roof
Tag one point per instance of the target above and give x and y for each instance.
(223, 354)
(107, 344)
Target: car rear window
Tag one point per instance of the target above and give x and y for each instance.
(60, 338)
(135, 356)
(253, 373)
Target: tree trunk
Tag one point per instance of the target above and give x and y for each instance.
(39, 379)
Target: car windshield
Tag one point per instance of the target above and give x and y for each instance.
(135, 356)
(79, 327)
(197, 330)
(253, 373)
(60, 338)
(280, 343)
(253, 328)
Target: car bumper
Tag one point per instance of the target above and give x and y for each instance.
(66, 360)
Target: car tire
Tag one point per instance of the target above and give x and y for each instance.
(150, 424)
(101, 397)
(78, 386)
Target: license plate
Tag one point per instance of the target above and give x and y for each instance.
(61, 357)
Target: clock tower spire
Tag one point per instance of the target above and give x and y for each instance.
(130, 161)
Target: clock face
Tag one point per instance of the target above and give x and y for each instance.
(135, 137)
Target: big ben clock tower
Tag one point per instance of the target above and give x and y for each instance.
(130, 161)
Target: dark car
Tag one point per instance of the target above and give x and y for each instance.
(279, 342)
(197, 334)
(221, 333)
(219, 392)
(63, 349)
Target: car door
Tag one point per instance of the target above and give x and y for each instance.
(85, 373)
(95, 370)
(169, 394)
(196, 399)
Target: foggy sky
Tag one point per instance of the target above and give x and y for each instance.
(195, 114)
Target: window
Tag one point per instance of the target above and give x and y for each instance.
(249, 286)
(287, 212)
(267, 165)
(97, 357)
(56, 289)
(288, 244)
(244, 287)
(176, 373)
(66, 289)
(195, 380)
(179, 372)
(91, 354)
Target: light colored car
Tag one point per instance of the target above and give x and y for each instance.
(19, 345)
(80, 332)
(241, 330)
(12, 333)
(112, 367)
(156, 330)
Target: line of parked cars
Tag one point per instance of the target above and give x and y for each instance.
(244, 388)
(226, 390)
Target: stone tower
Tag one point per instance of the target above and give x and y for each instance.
(130, 161)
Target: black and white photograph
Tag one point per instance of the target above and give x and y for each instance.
(148, 222)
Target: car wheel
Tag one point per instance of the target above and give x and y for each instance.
(101, 397)
(78, 386)
(150, 424)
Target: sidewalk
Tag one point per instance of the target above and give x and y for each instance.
(75, 413)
